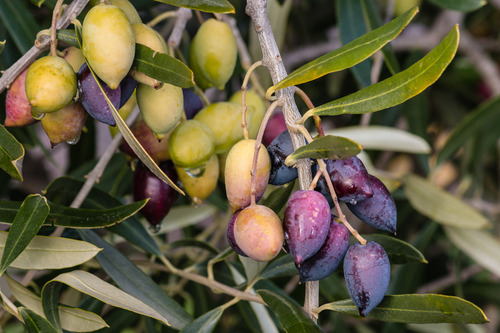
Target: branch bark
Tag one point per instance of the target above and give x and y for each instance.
(271, 58)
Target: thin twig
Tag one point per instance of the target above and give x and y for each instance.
(183, 15)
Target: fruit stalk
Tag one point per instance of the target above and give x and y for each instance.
(271, 58)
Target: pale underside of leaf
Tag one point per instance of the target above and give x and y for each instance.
(45, 252)
(72, 319)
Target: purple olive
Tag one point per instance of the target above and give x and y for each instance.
(329, 256)
(230, 235)
(367, 272)
(192, 103)
(306, 224)
(379, 211)
(161, 195)
(279, 150)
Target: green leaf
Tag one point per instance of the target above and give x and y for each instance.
(33, 322)
(64, 190)
(62, 216)
(277, 199)
(11, 154)
(185, 215)
(210, 6)
(327, 147)
(399, 251)
(135, 282)
(27, 222)
(480, 245)
(396, 89)
(20, 23)
(290, 315)
(282, 266)
(91, 285)
(252, 267)
(459, 5)
(470, 126)
(383, 138)
(72, 319)
(441, 206)
(68, 36)
(162, 67)
(45, 252)
(416, 308)
(348, 55)
(205, 323)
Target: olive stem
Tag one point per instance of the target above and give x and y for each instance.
(258, 143)
(310, 105)
(183, 15)
(161, 17)
(243, 98)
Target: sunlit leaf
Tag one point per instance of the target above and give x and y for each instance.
(205, 323)
(416, 308)
(441, 206)
(72, 319)
(135, 282)
(210, 6)
(11, 154)
(28, 220)
(45, 252)
(460, 5)
(348, 55)
(91, 285)
(33, 322)
(383, 138)
(396, 89)
(327, 147)
(469, 127)
(480, 245)
(290, 315)
(398, 251)
(62, 216)
(162, 67)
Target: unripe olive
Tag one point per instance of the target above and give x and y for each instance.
(199, 188)
(214, 48)
(128, 9)
(253, 100)
(65, 125)
(74, 56)
(108, 43)
(191, 144)
(50, 84)
(237, 175)
(199, 78)
(149, 37)
(258, 232)
(160, 108)
(224, 119)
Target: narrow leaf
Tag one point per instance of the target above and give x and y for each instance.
(348, 55)
(186, 215)
(65, 189)
(205, 323)
(210, 6)
(282, 266)
(399, 251)
(416, 308)
(50, 301)
(396, 89)
(383, 138)
(470, 126)
(72, 319)
(162, 67)
(91, 285)
(441, 206)
(25, 226)
(17, 19)
(135, 282)
(278, 198)
(33, 322)
(327, 147)
(290, 315)
(45, 252)
(459, 5)
(480, 245)
(68, 36)
(62, 216)
(11, 154)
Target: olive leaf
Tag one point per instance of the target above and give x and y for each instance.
(210, 6)
(459, 5)
(11, 154)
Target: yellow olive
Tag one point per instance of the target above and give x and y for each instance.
(50, 84)
(199, 78)
(214, 48)
(149, 37)
(108, 43)
(161, 109)
(74, 56)
(259, 109)
(128, 9)
(199, 188)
